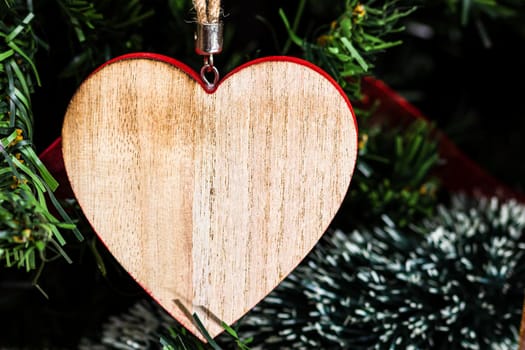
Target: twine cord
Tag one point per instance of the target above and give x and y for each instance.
(208, 11)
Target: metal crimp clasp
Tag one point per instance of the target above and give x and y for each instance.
(209, 38)
(208, 41)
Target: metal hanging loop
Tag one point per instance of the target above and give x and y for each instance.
(208, 41)
(207, 68)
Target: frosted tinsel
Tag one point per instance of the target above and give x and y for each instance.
(458, 285)
(139, 328)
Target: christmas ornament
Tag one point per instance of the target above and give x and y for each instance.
(209, 193)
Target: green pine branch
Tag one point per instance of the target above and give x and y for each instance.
(97, 32)
(394, 176)
(348, 49)
(29, 233)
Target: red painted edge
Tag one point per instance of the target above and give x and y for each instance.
(269, 59)
(52, 153)
(188, 70)
(156, 57)
(53, 157)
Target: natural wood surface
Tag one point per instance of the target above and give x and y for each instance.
(209, 200)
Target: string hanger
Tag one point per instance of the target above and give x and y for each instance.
(208, 37)
(208, 11)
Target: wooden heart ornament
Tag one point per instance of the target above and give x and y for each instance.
(209, 198)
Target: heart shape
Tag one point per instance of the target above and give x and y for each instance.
(209, 198)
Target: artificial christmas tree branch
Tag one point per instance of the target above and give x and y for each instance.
(349, 48)
(28, 230)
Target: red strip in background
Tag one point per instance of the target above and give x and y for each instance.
(458, 173)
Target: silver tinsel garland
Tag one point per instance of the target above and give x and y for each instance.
(139, 328)
(459, 284)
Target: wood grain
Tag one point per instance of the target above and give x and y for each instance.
(209, 199)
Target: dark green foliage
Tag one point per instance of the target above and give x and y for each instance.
(457, 286)
(348, 49)
(27, 229)
(100, 30)
(393, 176)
